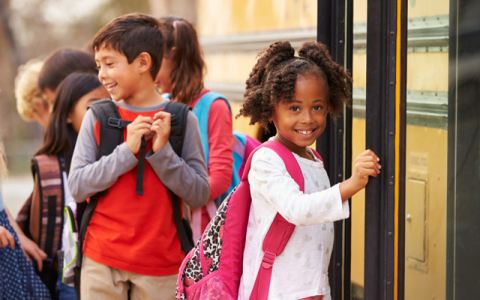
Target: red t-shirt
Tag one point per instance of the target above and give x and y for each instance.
(135, 233)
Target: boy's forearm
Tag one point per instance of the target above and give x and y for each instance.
(186, 180)
(88, 179)
(186, 176)
(87, 175)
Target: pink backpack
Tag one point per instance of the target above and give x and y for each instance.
(212, 269)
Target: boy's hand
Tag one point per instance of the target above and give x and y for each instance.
(6, 238)
(161, 128)
(366, 164)
(136, 130)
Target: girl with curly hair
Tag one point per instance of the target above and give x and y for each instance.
(296, 93)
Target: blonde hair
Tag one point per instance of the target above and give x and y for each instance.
(27, 92)
(3, 164)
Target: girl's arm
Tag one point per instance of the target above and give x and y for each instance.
(220, 143)
(29, 247)
(87, 174)
(270, 182)
(185, 176)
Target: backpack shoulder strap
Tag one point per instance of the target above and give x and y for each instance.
(111, 125)
(280, 230)
(112, 134)
(286, 155)
(179, 112)
(46, 223)
(201, 111)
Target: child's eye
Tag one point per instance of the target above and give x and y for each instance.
(319, 108)
(294, 108)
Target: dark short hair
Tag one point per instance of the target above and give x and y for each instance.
(61, 63)
(131, 35)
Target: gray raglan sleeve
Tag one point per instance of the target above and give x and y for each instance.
(186, 176)
(87, 174)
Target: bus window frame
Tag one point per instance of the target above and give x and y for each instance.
(335, 29)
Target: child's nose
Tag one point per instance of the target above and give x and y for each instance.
(101, 74)
(307, 116)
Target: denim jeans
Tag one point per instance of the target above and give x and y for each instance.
(65, 292)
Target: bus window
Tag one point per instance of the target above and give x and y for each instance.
(463, 181)
(426, 149)
(442, 150)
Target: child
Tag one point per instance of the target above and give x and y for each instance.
(75, 93)
(181, 75)
(131, 248)
(18, 278)
(43, 84)
(58, 65)
(296, 93)
(31, 106)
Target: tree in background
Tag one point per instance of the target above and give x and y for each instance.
(9, 59)
(34, 28)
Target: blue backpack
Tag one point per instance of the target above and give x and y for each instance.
(242, 146)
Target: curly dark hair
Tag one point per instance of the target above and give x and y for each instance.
(274, 76)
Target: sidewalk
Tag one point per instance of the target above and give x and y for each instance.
(15, 190)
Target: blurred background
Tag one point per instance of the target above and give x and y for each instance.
(232, 32)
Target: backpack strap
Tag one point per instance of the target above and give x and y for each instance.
(179, 112)
(280, 230)
(112, 134)
(111, 126)
(47, 171)
(201, 111)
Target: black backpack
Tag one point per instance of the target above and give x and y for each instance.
(112, 135)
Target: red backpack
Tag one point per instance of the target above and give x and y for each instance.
(212, 270)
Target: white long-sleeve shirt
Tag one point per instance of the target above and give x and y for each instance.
(302, 269)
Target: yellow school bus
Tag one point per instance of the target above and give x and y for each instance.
(414, 233)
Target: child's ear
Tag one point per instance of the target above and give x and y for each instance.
(144, 62)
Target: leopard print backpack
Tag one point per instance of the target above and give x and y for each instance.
(213, 268)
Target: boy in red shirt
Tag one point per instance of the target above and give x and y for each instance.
(131, 242)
